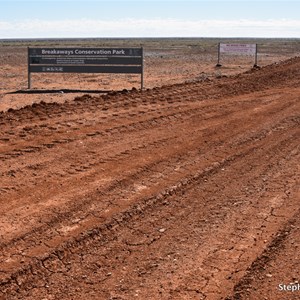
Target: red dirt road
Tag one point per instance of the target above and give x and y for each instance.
(189, 191)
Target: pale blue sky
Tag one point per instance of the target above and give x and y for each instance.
(97, 18)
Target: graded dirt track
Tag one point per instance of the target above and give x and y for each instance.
(188, 191)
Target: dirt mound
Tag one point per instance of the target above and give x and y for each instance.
(188, 191)
(285, 73)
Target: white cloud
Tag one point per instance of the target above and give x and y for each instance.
(149, 28)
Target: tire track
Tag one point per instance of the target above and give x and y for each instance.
(140, 209)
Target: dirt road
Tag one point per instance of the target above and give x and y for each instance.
(189, 191)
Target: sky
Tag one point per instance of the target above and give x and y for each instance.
(149, 18)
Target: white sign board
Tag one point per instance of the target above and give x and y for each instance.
(246, 49)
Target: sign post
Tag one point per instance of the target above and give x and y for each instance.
(142, 73)
(255, 64)
(218, 64)
(85, 60)
(29, 78)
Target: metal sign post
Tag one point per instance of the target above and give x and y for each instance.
(142, 73)
(29, 78)
(255, 64)
(218, 64)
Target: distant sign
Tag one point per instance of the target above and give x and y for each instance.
(85, 60)
(248, 49)
(237, 49)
